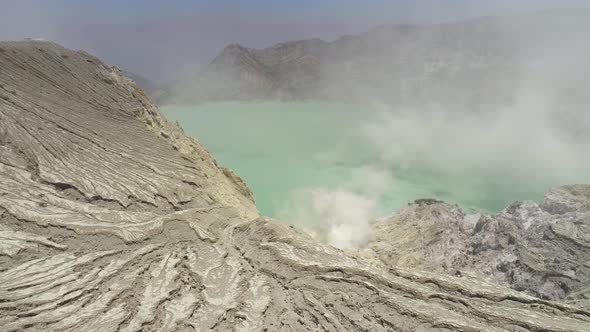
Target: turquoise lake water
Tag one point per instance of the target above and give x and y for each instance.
(304, 160)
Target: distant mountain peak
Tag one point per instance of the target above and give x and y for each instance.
(234, 47)
(470, 63)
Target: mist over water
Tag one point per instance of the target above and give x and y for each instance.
(479, 113)
(331, 168)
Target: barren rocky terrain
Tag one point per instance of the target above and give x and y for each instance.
(112, 219)
(540, 249)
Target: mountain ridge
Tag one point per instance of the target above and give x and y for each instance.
(473, 64)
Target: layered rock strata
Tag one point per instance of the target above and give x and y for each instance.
(113, 220)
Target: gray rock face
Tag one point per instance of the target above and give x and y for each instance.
(542, 250)
(562, 200)
(111, 219)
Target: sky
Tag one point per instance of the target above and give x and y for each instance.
(152, 37)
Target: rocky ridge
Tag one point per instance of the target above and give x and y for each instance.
(112, 219)
(477, 64)
(540, 249)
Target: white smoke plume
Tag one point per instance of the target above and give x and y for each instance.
(340, 216)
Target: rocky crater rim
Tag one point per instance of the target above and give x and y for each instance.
(112, 219)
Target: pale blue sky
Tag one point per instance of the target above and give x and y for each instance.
(150, 36)
(101, 10)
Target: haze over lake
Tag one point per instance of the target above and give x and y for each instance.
(311, 161)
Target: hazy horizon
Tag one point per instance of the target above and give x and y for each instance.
(155, 39)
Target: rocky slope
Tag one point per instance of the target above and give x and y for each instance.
(111, 219)
(541, 249)
(477, 64)
(151, 88)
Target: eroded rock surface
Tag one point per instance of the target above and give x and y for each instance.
(541, 249)
(111, 219)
